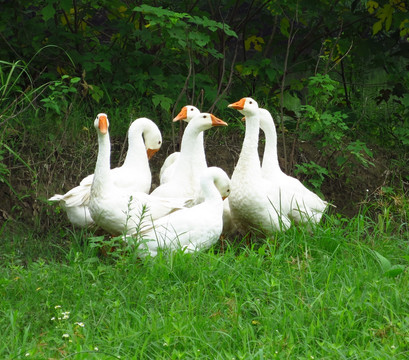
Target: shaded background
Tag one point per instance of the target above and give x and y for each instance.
(334, 75)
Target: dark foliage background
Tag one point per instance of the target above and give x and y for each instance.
(333, 73)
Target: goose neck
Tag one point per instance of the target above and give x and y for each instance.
(103, 165)
(189, 141)
(136, 150)
(270, 157)
(249, 152)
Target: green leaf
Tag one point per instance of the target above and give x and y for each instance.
(48, 11)
(388, 16)
(66, 4)
(377, 27)
(74, 80)
(383, 261)
(271, 73)
(96, 93)
(284, 25)
(395, 270)
(164, 102)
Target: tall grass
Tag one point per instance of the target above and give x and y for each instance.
(324, 294)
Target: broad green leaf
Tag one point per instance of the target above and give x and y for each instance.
(284, 25)
(383, 261)
(48, 11)
(395, 270)
(164, 102)
(74, 80)
(377, 27)
(404, 28)
(66, 4)
(271, 73)
(388, 19)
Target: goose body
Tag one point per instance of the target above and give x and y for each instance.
(194, 228)
(187, 170)
(254, 204)
(303, 206)
(114, 208)
(134, 175)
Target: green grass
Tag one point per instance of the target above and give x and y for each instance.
(336, 293)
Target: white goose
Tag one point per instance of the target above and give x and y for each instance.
(134, 175)
(187, 113)
(305, 206)
(253, 202)
(191, 229)
(114, 208)
(187, 170)
(167, 170)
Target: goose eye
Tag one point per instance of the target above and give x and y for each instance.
(251, 102)
(159, 142)
(204, 116)
(191, 109)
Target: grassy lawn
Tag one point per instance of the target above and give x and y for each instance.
(340, 292)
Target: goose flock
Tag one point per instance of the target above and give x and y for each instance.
(194, 204)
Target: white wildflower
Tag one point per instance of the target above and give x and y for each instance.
(65, 336)
(57, 306)
(80, 324)
(96, 348)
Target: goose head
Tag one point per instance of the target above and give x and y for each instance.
(219, 178)
(187, 113)
(153, 142)
(151, 134)
(247, 106)
(101, 123)
(204, 121)
(221, 181)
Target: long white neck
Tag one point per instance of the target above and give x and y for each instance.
(186, 163)
(136, 155)
(102, 167)
(270, 162)
(200, 155)
(249, 161)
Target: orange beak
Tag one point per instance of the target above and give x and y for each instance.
(217, 122)
(103, 124)
(182, 115)
(239, 105)
(224, 197)
(151, 152)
